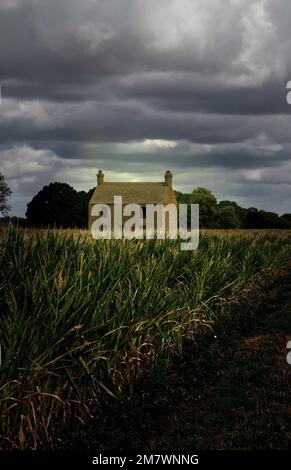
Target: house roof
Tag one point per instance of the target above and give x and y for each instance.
(138, 193)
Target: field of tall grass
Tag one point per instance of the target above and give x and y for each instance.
(80, 320)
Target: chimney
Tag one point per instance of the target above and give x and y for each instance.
(100, 177)
(168, 178)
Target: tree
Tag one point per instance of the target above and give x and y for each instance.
(60, 205)
(286, 219)
(239, 212)
(182, 198)
(5, 192)
(227, 217)
(207, 206)
(263, 219)
(228, 214)
(271, 220)
(83, 198)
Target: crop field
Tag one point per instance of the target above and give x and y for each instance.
(80, 320)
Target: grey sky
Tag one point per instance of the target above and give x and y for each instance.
(138, 86)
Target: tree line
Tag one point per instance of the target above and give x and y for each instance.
(60, 205)
(228, 214)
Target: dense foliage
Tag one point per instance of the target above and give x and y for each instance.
(59, 205)
(228, 214)
(5, 192)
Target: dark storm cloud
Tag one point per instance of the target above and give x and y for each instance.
(267, 99)
(89, 83)
(130, 120)
(66, 50)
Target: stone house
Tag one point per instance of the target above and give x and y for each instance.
(160, 192)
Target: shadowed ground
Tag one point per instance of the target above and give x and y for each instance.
(231, 391)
